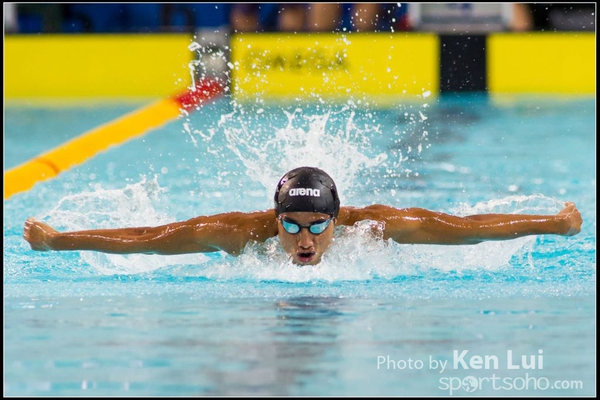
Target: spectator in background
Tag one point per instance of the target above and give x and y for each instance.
(255, 17)
(317, 17)
(327, 17)
(292, 17)
(522, 19)
(244, 17)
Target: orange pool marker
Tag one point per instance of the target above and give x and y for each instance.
(87, 145)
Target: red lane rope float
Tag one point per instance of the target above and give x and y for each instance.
(88, 144)
(204, 91)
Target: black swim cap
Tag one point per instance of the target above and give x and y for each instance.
(307, 189)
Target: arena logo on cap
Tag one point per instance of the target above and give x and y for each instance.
(305, 192)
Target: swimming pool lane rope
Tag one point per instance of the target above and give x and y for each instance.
(85, 146)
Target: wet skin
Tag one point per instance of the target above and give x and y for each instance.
(304, 247)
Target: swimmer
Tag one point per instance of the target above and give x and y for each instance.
(307, 210)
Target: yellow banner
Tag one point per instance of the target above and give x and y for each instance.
(94, 65)
(542, 62)
(331, 66)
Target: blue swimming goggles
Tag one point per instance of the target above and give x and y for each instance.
(316, 228)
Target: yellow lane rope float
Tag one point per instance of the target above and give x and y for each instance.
(87, 145)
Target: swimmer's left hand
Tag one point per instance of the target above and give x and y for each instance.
(572, 219)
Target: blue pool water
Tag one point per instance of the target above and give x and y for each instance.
(373, 318)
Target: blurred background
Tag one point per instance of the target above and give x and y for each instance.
(36, 18)
(149, 49)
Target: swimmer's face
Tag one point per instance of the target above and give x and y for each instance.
(305, 247)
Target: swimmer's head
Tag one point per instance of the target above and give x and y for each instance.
(307, 189)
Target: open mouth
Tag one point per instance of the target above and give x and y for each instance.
(305, 256)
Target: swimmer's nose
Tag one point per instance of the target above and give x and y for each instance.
(305, 239)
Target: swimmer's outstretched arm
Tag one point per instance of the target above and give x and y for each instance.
(417, 225)
(229, 232)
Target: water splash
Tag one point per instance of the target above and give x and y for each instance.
(356, 255)
(359, 255)
(133, 206)
(518, 204)
(264, 145)
(268, 148)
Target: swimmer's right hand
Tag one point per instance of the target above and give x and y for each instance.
(38, 234)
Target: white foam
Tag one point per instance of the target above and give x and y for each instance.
(302, 139)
